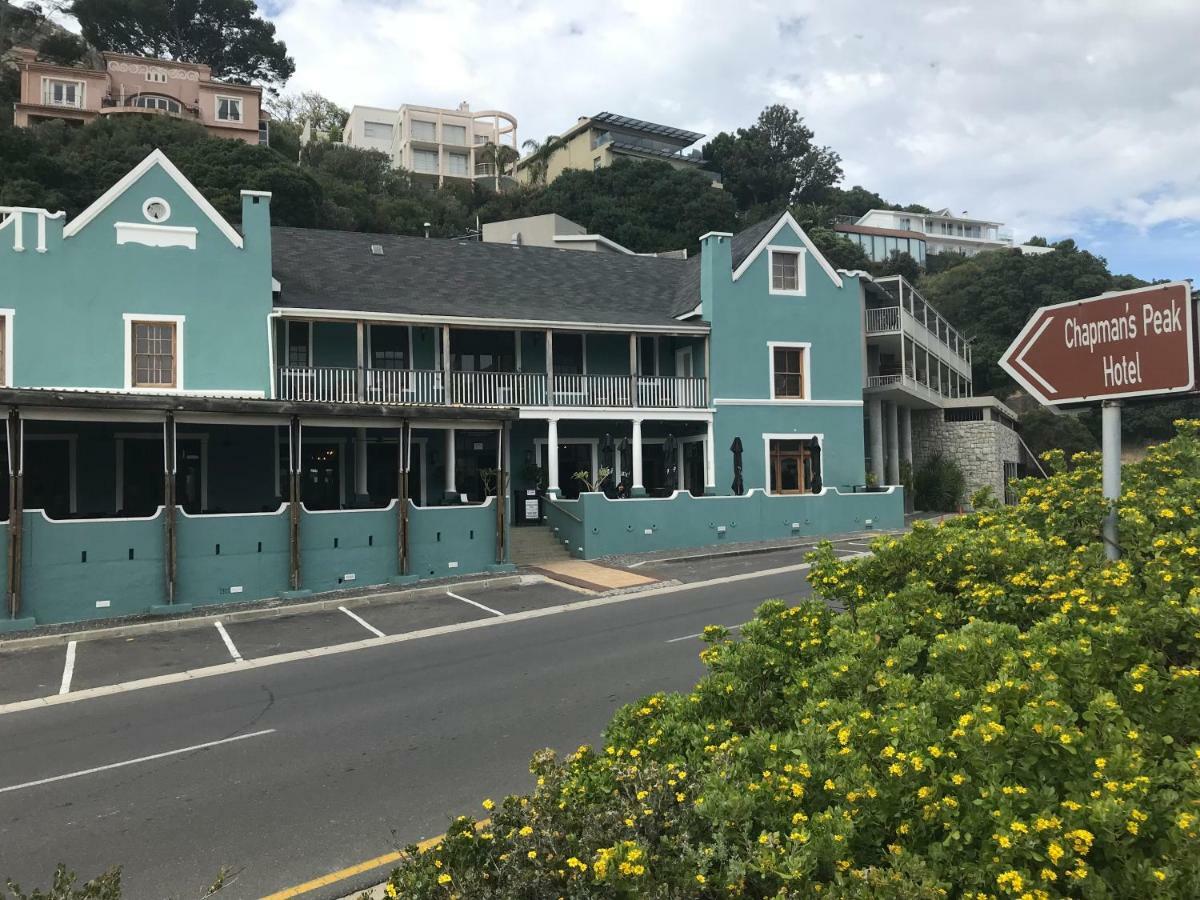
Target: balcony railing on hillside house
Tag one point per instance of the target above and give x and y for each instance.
(435, 387)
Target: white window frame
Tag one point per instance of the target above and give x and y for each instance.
(454, 143)
(240, 101)
(412, 131)
(466, 163)
(795, 436)
(7, 316)
(805, 347)
(156, 76)
(436, 162)
(80, 86)
(800, 253)
(178, 321)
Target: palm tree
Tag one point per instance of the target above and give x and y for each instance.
(500, 157)
(538, 161)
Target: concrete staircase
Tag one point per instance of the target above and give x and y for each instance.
(533, 545)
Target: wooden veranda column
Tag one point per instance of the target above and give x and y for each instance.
(169, 467)
(295, 456)
(402, 462)
(501, 496)
(16, 508)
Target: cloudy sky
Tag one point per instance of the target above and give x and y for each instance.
(1067, 119)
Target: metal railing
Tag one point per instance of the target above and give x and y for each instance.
(883, 320)
(326, 383)
(432, 387)
(74, 101)
(412, 386)
(882, 380)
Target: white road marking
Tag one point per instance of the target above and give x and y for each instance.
(688, 637)
(494, 612)
(363, 622)
(371, 643)
(131, 762)
(68, 669)
(233, 651)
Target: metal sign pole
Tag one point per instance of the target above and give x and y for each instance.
(1110, 428)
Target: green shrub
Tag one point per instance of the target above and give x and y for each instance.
(1004, 714)
(64, 887)
(939, 486)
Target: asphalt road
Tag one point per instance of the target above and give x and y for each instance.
(338, 758)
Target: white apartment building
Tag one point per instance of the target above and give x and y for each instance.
(434, 142)
(944, 232)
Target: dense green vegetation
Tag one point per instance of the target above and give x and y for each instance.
(1000, 712)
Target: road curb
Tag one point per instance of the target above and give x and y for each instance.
(754, 551)
(270, 610)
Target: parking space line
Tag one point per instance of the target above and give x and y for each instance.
(494, 612)
(688, 637)
(131, 762)
(363, 622)
(68, 669)
(233, 650)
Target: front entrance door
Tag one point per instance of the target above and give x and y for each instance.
(683, 363)
(654, 470)
(573, 458)
(693, 467)
(320, 477)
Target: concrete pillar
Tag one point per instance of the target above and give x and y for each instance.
(906, 436)
(360, 466)
(893, 445)
(710, 462)
(451, 465)
(552, 456)
(637, 489)
(875, 426)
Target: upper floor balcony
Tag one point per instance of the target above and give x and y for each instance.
(912, 315)
(436, 365)
(436, 387)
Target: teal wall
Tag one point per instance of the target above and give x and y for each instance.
(439, 536)
(216, 554)
(612, 527)
(745, 318)
(69, 329)
(70, 566)
(358, 543)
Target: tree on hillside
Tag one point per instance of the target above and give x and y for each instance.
(312, 109)
(839, 251)
(991, 295)
(774, 161)
(647, 206)
(538, 164)
(500, 157)
(228, 35)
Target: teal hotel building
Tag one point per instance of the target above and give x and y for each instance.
(202, 412)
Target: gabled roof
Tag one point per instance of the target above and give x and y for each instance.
(156, 158)
(337, 271)
(786, 221)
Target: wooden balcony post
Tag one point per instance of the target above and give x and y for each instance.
(446, 388)
(16, 508)
(295, 461)
(360, 373)
(501, 495)
(633, 372)
(169, 510)
(402, 457)
(549, 367)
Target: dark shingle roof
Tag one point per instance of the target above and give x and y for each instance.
(687, 294)
(320, 269)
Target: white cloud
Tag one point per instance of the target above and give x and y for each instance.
(1049, 115)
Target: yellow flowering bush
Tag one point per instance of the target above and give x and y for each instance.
(985, 708)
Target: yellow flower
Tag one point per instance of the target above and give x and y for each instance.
(489, 805)
(525, 831)
(391, 891)
(444, 878)
(700, 879)
(1055, 852)
(532, 854)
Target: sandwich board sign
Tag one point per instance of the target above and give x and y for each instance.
(1108, 349)
(1138, 343)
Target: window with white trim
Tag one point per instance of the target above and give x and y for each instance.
(789, 372)
(59, 92)
(156, 76)
(229, 109)
(154, 357)
(425, 161)
(787, 272)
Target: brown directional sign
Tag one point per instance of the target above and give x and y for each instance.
(1129, 344)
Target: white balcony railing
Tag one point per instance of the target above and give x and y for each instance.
(884, 320)
(430, 388)
(883, 380)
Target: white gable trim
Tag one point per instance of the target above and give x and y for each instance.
(787, 220)
(156, 158)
